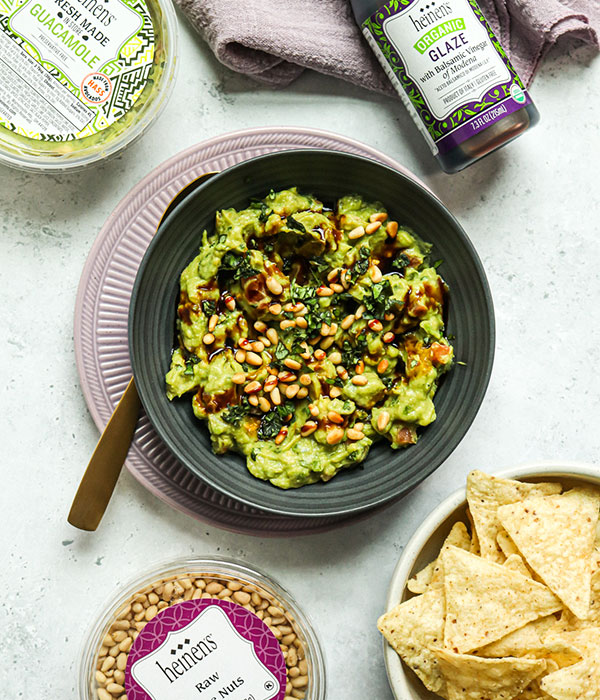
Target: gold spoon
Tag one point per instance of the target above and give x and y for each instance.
(100, 477)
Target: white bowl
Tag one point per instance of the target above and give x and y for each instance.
(425, 544)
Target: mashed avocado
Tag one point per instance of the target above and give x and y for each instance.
(306, 333)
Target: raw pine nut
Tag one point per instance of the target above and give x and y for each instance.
(292, 364)
(376, 274)
(382, 420)
(253, 359)
(382, 366)
(281, 435)
(305, 379)
(335, 357)
(388, 337)
(275, 309)
(323, 291)
(115, 689)
(380, 216)
(212, 322)
(335, 417)
(264, 404)
(230, 303)
(292, 390)
(357, 233)
(301, 322)
(302, 393)
(392, 229)
(208, 339)
(242, 597)
(359, 380)
(371, 228)
(375, 325)
(308, 428)
(257, 346)
(104, 694)
(274, 286)
(287, 323)
(252, 388)
(271, 334)
(335, 391)
(313, 410)
(276, 396)
(347, 322)
(335, 436)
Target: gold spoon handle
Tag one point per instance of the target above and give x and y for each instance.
(102, 472)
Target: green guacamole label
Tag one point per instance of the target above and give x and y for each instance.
(71, 68)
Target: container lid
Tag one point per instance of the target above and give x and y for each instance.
(81, 79)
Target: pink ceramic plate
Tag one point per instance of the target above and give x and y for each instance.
(101, 343)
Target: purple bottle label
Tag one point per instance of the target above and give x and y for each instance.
(447, 65)
(205, 650)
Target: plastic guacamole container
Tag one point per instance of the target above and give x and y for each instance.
(202, 628)
(81, 79)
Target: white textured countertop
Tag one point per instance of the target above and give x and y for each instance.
(533, 212)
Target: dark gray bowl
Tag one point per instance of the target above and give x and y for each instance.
(386, 474)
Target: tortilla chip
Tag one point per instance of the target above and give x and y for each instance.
(487, 601)
(421, 580)
(526, 641)
(580, 681)
(474, 549)
(473, 678)
(485, 494)
(555, 535)
(515, 563)
(506, 545)
(412, 628)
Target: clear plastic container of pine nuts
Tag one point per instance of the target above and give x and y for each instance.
(114, 660)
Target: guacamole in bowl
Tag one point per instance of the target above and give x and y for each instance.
(307, 333)
(385, 473)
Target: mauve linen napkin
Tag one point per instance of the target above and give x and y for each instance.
(273, 41)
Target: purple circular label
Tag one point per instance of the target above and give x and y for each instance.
(205, 650)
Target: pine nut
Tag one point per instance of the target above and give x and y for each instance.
(380, 216)
(242, 597)
(342, 372)
(357, 233)
(208, 339)
(302, 393)
(390, 316)
(276, 396)
(371, 228)
(375, 325)
(301, 322)
(388, 337)
(281, 435)
(252, 388)
(335, 417)
(323, 291)
(337, 288)
(353, 434)
(360, 367)
(292, 390)
(265, 341)
(335, 357)
(253, 359)
(230, 303)
(376, 274)
(240, 356)
(253, 400)
(271, 334)
(274, 286)
(324, 329)
(115, 689)
(327, 343)
(286, 377)
(335, 436)
(257, 346)
(333, 329)
(347, 322)
(335, 392)
(359, 426)
(360, 311)
(313, 410)
(333, 275)
(308, 428)
(275, 309)
(359, 380)
(392, 229)
(287, 323)
(382, 420)
(244, 343)
(292, 364)
(237, 378)
(270, 384)
(260, 326)
(320, 355)
(264, 404)
(104, 694)
(382, 366)
(344, 279)
(305, 379)
(212, 322)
